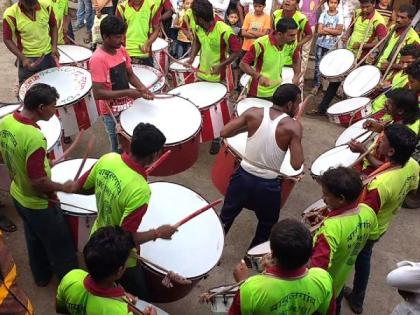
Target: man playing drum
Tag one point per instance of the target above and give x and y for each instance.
(345, 230)
(32, 23)
(287, 285)
(268, 55)
(413, 72)
(111, 70)
(385, 193)
(105, 254)
(256, 184)
(23, 149)
(123, 194)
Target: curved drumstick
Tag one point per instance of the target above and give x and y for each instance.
(224, 290)
(70, 148)
(363, 155)
(37, 62)
(158, 162)
(88, 149)
(198, 212)
(186, 65)
(370, 51)
(302, 106)
(67, 55)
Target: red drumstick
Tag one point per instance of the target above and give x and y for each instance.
(70, 148)
(158, 162)
(89, 147)
(198, 212)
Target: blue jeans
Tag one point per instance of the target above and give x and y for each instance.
(319, 53)
(111, 131)
(181, 48)
(255, 193)
(85, 13)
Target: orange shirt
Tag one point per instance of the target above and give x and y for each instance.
(254, 23)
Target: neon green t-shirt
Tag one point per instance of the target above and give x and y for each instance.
(266, 294)
(18, 141)
(61, 9)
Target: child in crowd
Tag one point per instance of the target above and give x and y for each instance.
(183, 41)
(330, 26)
(232, 19)
(255, 25)
(385, 9)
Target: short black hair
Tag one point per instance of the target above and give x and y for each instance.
(406, 100)
(409, 9)
(232, 10)
(285, 93)
(342, 182)
(338, 1)
(203, 9)
(291, 244)
(262, 2)
(403, 140)
(106, 251)
(146, 140)
(285, 24)
(40, 94)
(367, 1)
(413, 70)
(111, 25)
(411, 50)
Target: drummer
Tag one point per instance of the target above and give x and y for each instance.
(23, 149)
(266, 57)
(123, 194)
(385, 194)
(96, 292)
(287, 284)
(111, 70)
(62, 17)
(346, 228)
(32, 23)
(413, 72)
(256, 184)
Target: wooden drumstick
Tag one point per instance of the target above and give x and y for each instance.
(224, 290)
(198, 212)
(363, 155)
(37, 62)
(302, 106)
(158, 162)
(393, 59)
(72, 40)
(73, 206)
(111, 113)
(67, 55)
(70, 148)
(88, 149)
(146, 261)
(370, 51)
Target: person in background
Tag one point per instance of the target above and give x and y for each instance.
(84, 13)
(232, 19)
(245, 6)
(413, 72)
(220, 7)
(385, 9)
(62, 17)
(183, 42)
(256, 25)
(102, 7)
(330, 27)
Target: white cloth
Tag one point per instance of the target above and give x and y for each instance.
(220, 7)
(249, 4)
(262, 149)
(406, 277)
(407, 308)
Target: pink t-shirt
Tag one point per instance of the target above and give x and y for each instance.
(111, 71)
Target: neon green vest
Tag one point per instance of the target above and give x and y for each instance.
(18, 142)
(346, 235)
(400, 80)
(393, 186)
(264, 294)
(138, 25)
(61, 8)
(210, 48)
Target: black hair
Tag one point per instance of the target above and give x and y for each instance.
(291, 244)
(232, 10)
(403, 140)
(413, 70)
(262, 2)
(286, 93)
(285, 24)
(146, 140)
(406, 100)
(367, 1)
(203, 9)
(106, 251)
(411, 50)
(338, 1)
(409, 9)
(342, 182)
(111, 25)
(40, 94)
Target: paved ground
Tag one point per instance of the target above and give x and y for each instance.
(401, 242)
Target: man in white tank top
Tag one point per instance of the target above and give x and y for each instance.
(256, 184)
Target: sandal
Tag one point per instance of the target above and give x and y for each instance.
(6, 224)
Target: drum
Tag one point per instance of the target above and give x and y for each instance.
(141, 305)
(249, 102)
(361, 81)
(180, 122)
(76, 106)
(349, 111)
(53, 133)
(286, 75)
(80, 221)
(229, 158)
(222, 301)
(180, 74)
(354, 131)
(256, 253)
(192, 252)
(8, 109)
(152, 78)
(338, 156)
(160, 55)
(72, 55)
(210, 98)
(313, 215)
(336, 64)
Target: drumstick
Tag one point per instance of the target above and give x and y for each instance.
(394, 57)
(72, 40)
(363, 155)
(146, 261)
(198, 212)
(226, 289)
(370, 51)
(186, 65)
(168, 95)
(37, 62)
(158, 162)
(71, 205)
(89, 147)
(70, 148)
(111, 113)
(362, 43)
(67, 55)
(302, 107)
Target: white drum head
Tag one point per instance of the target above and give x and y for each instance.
(353, 132)
(336, 62)
(178, 67)
(338, 156)
(348, 105)
(316, 205)
(176, 117)
(202, 94)
(244, 80)
(260, 250)
(65, 171)
(361, 81)
(287, 75)
(72, 83)
(148, 76)
(159, 44)
(8, 109)
(52, 131)
(73, 53)
(141, 305)
(249, 102)
(197, 246)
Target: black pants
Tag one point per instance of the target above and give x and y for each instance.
(134, 282)
(328, 97)
(255, 193)
(46, 63)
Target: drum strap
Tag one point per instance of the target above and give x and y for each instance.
(264, 167)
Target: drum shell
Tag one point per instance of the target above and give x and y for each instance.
(222, 303)
(161, 59)
(346, 119)
(215, 117)
(182, 77)
(80, 227)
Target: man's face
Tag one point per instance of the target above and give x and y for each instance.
(391, 108)
(258, 9)
(414, 84)
(290, 5)
(330, 200)
(47, 111)
(384, 148)
(114, 41)
(367, 8)
(290, 36)
(405, 61)
(29, 4)
(402, 19)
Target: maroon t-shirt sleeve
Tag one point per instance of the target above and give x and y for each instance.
(321, 253)
(35, 164)
(307, 29)
(332, 307)
(249, 56)
(234, 43)
(167, 5)
(235, 308)
(156, 17)
(82, 179)
(52, 21)
(296, 55)
(131, 222)
(373, 200)
(381, 31)
(7, 30)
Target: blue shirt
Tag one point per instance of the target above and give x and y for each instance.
(331, 21)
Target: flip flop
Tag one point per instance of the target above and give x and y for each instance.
(6, 224)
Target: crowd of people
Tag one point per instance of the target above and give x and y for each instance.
(306, 270)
